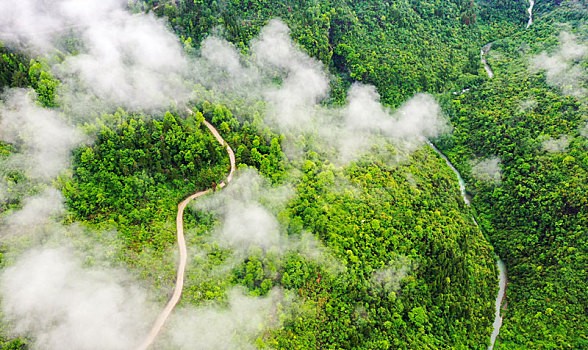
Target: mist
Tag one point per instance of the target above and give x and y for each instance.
(304, 81)
(584, 130)
(389, 277)
(528, 105)
(487, 170)
(366, 121)
(36, 212)
(294, 108)
(49, 294)
(249, 211)
(118, 58)
(563, 68)
(42, 137)
(351, 130)
(106, 58)
(557, 145)
(235, 325)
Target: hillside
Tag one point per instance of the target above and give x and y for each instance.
(342, 228)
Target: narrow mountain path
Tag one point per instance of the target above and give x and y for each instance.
(164, 315)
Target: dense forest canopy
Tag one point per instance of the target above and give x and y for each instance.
(342, 228)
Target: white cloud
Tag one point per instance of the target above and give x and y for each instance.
(563, 67)
(44, 139)
(487, 170)
(558, 145)
(234, 326)
(129, 60)
(49, 295)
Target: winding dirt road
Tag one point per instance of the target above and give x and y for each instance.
(164, 315)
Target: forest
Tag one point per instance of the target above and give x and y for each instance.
(342, 228)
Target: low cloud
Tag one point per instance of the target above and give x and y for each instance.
(389, 278)
(304, 81)
(528, 105)
(557, 145)
(248, 209)
(3, 191)
(487, 170)
(36, 213)
(293, 104)
(563, 68)
(234, 326)
(584, 130)
(253, 226)
(49, 295)
(134, 61)
(43, 139)
(120, 59)
(366, 120)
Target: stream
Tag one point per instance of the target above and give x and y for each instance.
(502, 277)
(499, 299)
(530, 11)
(483, 51)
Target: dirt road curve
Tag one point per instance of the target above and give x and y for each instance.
(164, 315)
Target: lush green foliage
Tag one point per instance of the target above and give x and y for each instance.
(538, 216)
(137, 171)
(402, 47)
(13, 69)
(16, 71)
(253, 143)
(406, 220)
(378, 219)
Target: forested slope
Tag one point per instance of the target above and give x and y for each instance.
(402, 47)
(537, 216)
(394, 221)
(397, 261)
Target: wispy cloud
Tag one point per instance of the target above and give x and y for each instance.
(563, 68)
(234, 326)
(487, 170)
(43, 138)
(557, 145)
(48, 294)
(122, 59)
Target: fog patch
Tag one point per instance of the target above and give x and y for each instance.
(304, 81)
(248, 209)
(133, 61)
(233, 326)
(49, 295)
(584, 130)
(389, 278)
(253, 226)
(293, 85)
(36, 212)
(563, 68)
(119, 58)
(3, 190)
(487, 170)
(365, 119)
(557, 145)
(528, 105)
(42, 137)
